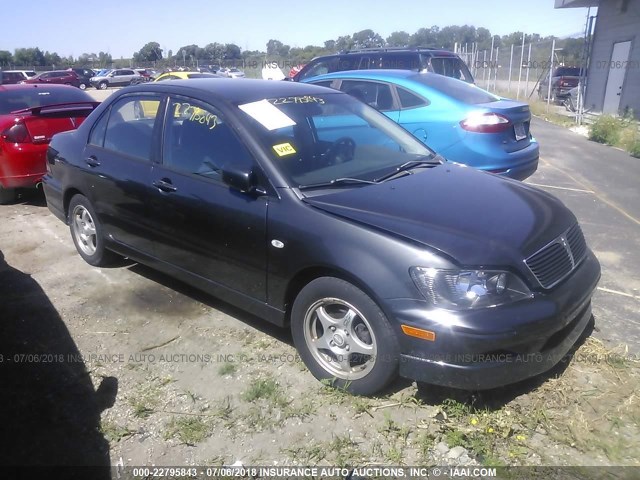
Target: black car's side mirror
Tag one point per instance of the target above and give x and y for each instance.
(244, 181)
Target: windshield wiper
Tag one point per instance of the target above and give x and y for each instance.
(410, 165)
(336, 182)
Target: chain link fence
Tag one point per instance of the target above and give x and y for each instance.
(515, 71)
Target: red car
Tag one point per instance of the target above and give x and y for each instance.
(29, 116)
(60, 77)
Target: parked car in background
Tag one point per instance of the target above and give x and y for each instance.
(184, 76)
(10, 77)
(118, 77)
(562, 81)
(295, 69)
(58, 77)
(312, 210)
(85, 75)
(460, 121)
(145, 73)
(231, 72)
(418, 59)
(29, 116)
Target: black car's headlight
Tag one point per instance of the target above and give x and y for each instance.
(468, 289)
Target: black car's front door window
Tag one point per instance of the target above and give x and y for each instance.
(198, 140)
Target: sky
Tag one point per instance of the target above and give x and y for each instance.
(122, 27)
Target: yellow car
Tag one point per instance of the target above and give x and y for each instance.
(184, 76)
(147, 109)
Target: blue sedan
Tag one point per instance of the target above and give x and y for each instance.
(460, 121)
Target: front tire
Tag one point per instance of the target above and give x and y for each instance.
(87, 233)
(83, 86)
(343, 336)
(103, 85)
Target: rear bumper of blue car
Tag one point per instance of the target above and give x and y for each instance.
(519, 164)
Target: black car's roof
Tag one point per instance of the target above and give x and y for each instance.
(234, 91)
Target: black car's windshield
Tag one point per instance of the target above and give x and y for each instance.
(14, 100)
(316, 139)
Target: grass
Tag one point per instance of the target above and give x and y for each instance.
(190, 430)
(266, 389)
(145, 400)
(114, 432)
(622, 132)
(227, 368)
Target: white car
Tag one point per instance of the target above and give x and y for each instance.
(234, 73)
(15, 76)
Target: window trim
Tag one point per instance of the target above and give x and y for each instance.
(153, 154)
(426, 101)
(170, 98)
(396, 100)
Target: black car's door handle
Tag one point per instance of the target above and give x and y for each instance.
(164, 185)
(92, 161)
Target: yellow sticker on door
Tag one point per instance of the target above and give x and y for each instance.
(283, 149)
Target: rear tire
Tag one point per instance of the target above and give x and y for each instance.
(87, 234)
(7, 195)
(83, 86)
(344, 337)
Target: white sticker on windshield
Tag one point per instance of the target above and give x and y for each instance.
(267, 114)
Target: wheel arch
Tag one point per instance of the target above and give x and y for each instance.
(66, 200)
(308, 274)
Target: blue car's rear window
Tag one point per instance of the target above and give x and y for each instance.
(459, 90)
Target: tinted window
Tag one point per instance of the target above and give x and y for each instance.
(199, 141)
(397, 61)
(409, 100)
(567, 72)
(13, 100)
(461, 91)
(97, 133)
(326, 83)
(201, 75)
(377, 95)
(452, 67)
(320, 67)
(130, 126)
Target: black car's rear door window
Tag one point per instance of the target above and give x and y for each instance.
(130, 126)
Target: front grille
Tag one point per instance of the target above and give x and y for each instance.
(554, 262)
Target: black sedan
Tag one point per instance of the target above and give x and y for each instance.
(312, 210)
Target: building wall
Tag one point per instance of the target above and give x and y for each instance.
(615, 25)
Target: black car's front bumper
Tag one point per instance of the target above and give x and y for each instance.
(497, 346)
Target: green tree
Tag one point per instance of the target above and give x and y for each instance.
(398, 39)
(28, 56)
(344, 43)
(6, 57)
(104, 59)
(425, 37)
(52, 59)
(367, 39)
(214, 52)
(232, 52)
(151, 52)
(273, 46)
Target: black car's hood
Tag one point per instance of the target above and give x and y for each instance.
(475, 218)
